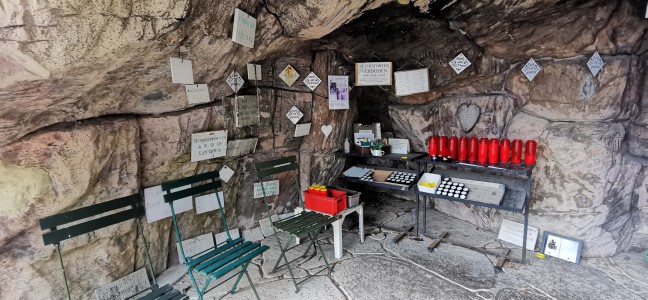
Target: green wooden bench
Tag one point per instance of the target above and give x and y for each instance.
(227, 256)
(301, 225)
(112, 212)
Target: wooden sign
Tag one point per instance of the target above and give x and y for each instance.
(338, 89)
(181, 71)
(244, 28)
(373, 73)
(246, 110)
(412, 82)
(196, 245)
(206, 203)
(241, 147)
(271, 188)
(197, 93)
(125, 287)
(157, 209)
(513, 232)
(208, 145)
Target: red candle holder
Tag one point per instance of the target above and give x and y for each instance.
(493, 151)
(452, 150)
(517, 152)
(433, 146)
(482, 157)
(530, 152)
(463, 149)
(473, 149)
(443, 146)
(505, 150)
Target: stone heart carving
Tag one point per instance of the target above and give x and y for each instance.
(468, 115)
(327, 129)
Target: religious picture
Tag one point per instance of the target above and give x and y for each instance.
(338, 88)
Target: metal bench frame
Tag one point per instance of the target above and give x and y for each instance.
(306, 223)
(226, 257)
(56, 235)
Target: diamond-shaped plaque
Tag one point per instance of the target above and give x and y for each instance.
(531, 69)
(294, 114)
(235, 81)
(312, 81)
(460, 63)
(289, 75)
(595, 63)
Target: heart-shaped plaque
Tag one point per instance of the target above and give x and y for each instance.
(468, 115)
(327, 129)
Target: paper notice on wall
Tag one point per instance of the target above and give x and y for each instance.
(338, 89)
(513, 232)
(125, 287)
(181, 71)
(157, 209)
(197, 93)
(302, 129)
(208, 202)
(254, 72)
(226, 173)
(208, 145)
(412, 82)
(241, 147)
(373, 73)
(271, 188)
(244, 28)
(247, 110)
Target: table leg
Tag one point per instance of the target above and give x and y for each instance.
(360, 212)
(337, 237)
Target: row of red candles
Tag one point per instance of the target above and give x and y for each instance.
(482, 150)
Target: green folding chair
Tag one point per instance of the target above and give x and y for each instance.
(307, 224)
(112, 213)
(227, 256)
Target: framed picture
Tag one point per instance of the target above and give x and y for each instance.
(562, 247)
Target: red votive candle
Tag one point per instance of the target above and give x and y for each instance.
(463, 148)
(433, 145)
(472, 149)
(530, 152)
(482, 157)
(443, 146)
(505, 150)
(493, 151)
(517, 152)
(452, 150)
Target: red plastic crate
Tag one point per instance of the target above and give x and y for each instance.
(335, 203)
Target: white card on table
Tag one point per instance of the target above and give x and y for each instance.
(208, 202)
(254, 72)
(513, 232)
(373, 73)
(399, 146)
(181, 71)
(226, 173)
(302, 129)
(412, 82)
(208, 145)
(244, 28)
(271, 188)
(157, 209)
(338, 92)
(197, 93)
(196, 245)
(312, 81)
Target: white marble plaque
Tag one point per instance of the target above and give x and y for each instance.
(312, 81)
(338, 92)
(196, 245)
(128, 286)
(226, 173)
(222, 237)
(460, 63)
(206, 203)
(235, 81)
(294, 114)
(513, 232)
(181, 71)
(197, 93)
(373, 73)
(247, 110)
(244, 28)
(289, 75)
(412, 82)
(302, 129)
(254, 72)
(208, 145)
(241, 147)
(157, 209)
(266, 225)
(271, 188)
(531, 69)
(595, 63)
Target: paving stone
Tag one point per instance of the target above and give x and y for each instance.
(319, 287)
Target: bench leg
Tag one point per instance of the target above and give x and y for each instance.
(322, 251)
(252, 284)
(283, 255)
(337, 237)
(193, 281)
(244, 269)
(360, 212)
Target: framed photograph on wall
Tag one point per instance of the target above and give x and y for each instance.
(562, 247)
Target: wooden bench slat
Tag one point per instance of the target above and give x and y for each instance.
(240, 261)
(193, 262)
(88, 211)
(167, 186)
(274, 163)
(173, 196)
(276, 170)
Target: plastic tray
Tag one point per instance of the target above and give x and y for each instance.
(331, 205)
(429, 177)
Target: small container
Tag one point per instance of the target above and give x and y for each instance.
(347, 146)
(463, 149)
(505, 150)
(493, 151)
(452, 149)
(473, 149)
(483, 150)
(443, 146)
(516, 157)
(530, 152)
(433, 146)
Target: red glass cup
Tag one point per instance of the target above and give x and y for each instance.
(452, 149)
(463, 148)
(473, 149)
(516, 157)
(530, 152)
(482, 156)
(443, 146)
(433, 146)
(493, 151)
(505, 150)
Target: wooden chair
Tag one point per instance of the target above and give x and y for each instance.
(300, 225)
(226, 257)
(56, 235)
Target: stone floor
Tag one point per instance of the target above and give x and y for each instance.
(461, 268)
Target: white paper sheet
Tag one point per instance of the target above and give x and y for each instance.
(181, 71)
(197, 93)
